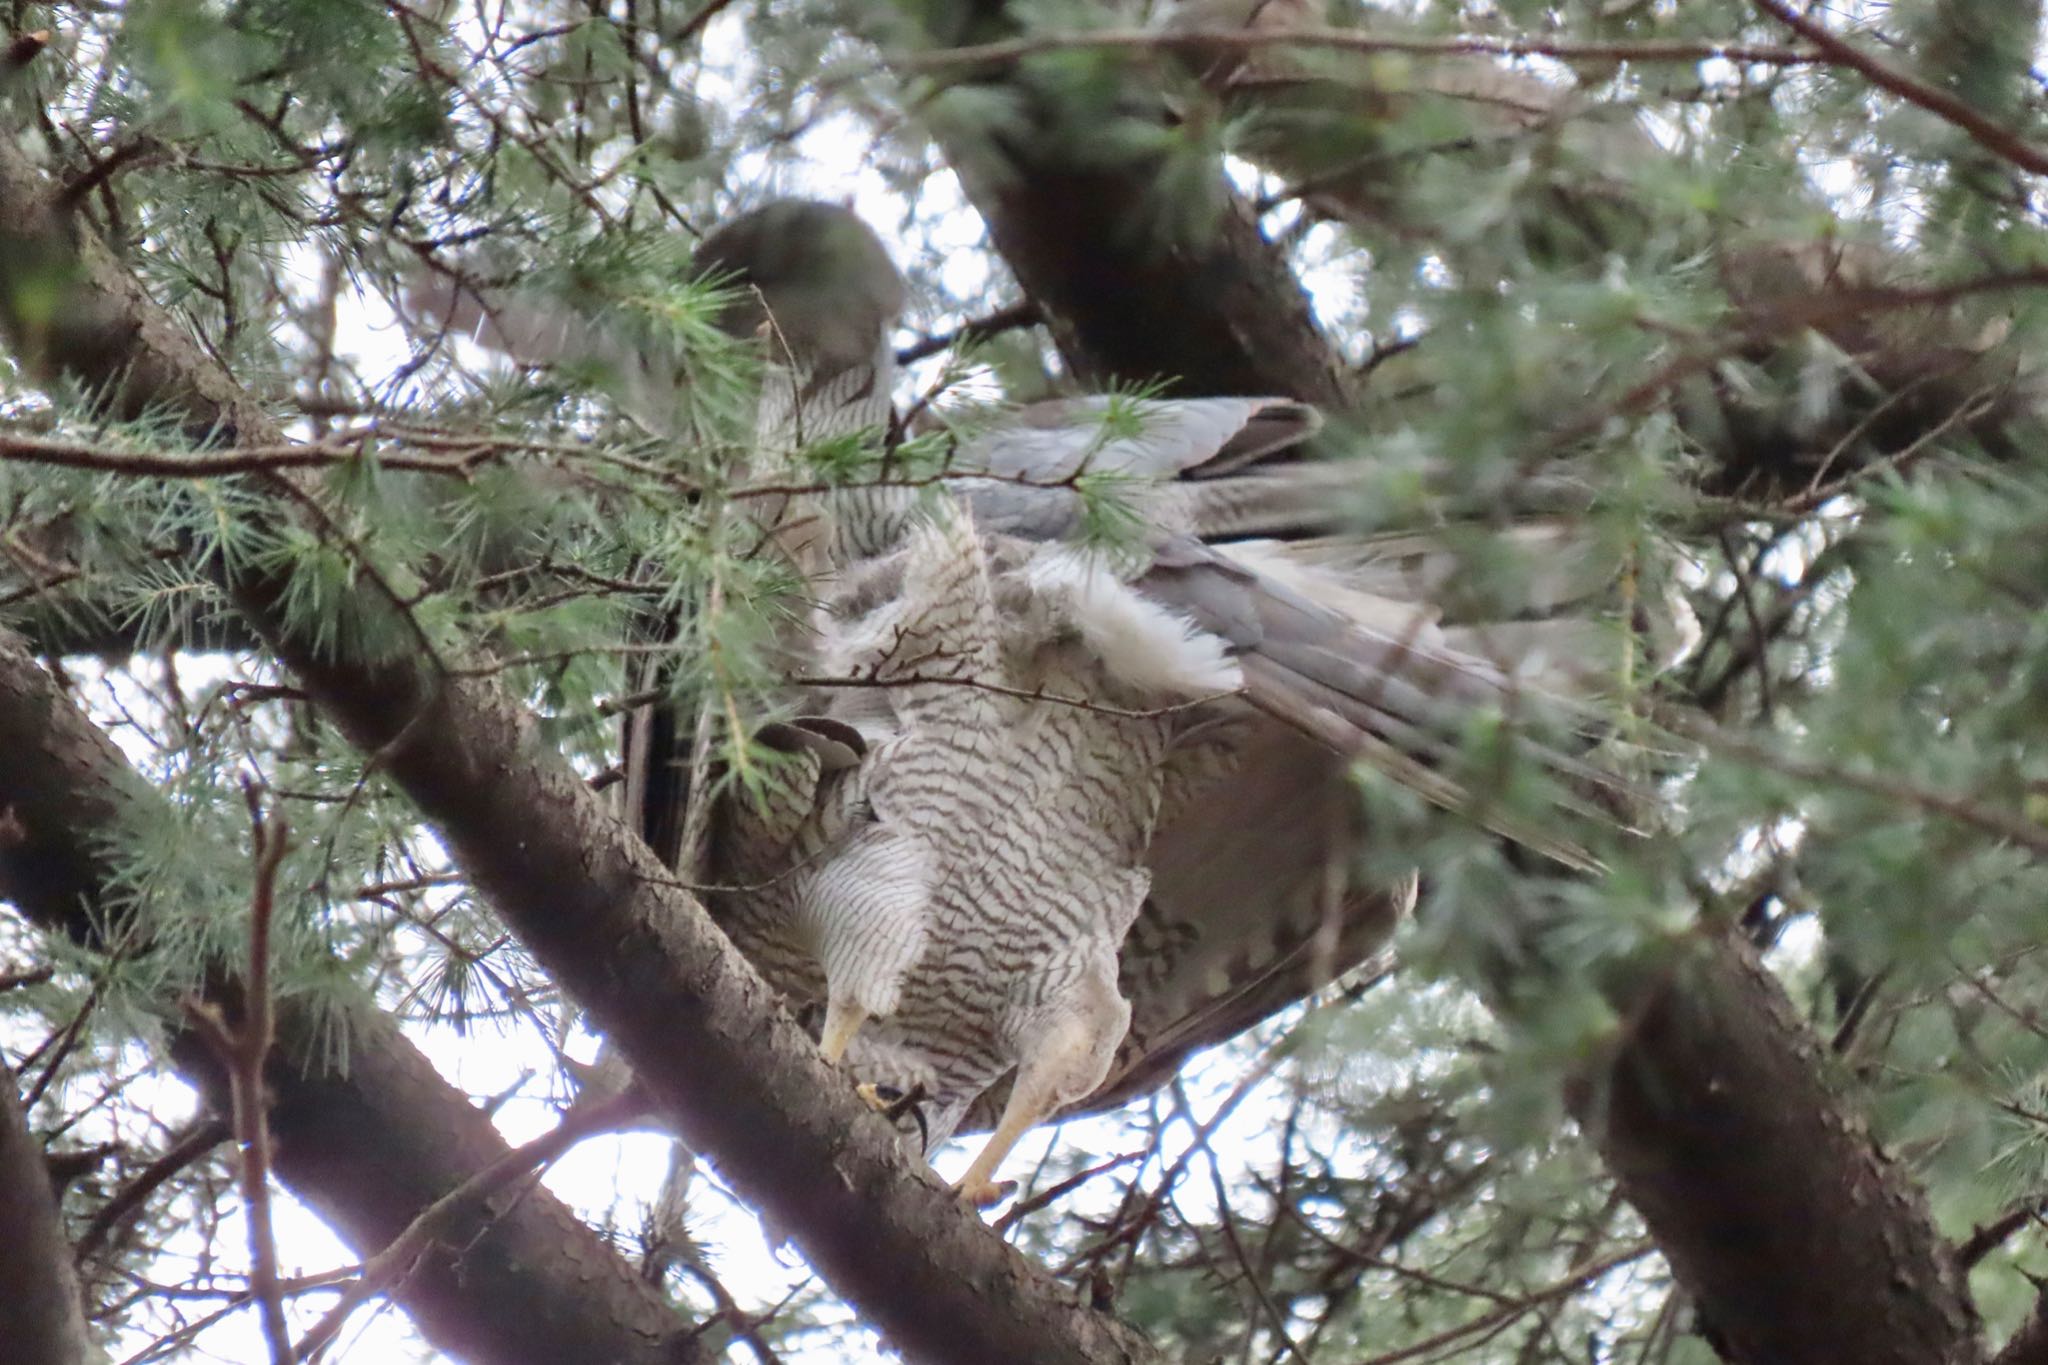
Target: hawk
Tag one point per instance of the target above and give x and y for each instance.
(1055, 809)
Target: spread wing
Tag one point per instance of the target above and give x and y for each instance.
(1342, 646)
(1346, 657)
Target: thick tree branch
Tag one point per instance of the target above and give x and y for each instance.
(1196, 298)
(594, 905)
(438, 1219)
(41, 1319)
(365, 1130)
(1798, 1238)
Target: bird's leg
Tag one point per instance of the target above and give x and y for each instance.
(1026, 1106)
(1063, 1056)
(843, 1019)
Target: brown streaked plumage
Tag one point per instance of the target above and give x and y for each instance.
(1078, 812)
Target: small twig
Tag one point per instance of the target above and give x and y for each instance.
(1988, 1237)
(1986, 132)
(345, 449)
(53, 1051)
(1759, 639)
(33, 976)
(1492, 1321)
(1127, 1233)
(1999, 824)
(1859, 1010)
(204, 1137)
(371, 891)
(1202, 41)
(192, 1329)
(1382, 352)
(544, 658)
(243, 1050)
(1816, 494)
(745, 1326)
(1227, 1220)
(1025, 314)
(1023, 1208)
(696, 22)
(141, 151)
(398, 1258)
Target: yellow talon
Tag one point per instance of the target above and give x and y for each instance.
(892, 1104)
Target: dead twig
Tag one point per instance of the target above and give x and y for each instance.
(398, 1259)
(243, 1049)
(1986, 132)
(2000, 824)
(1025, 314)
(204, 1137)
(1023, 1208)
(1204, 41)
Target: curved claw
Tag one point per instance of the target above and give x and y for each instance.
(893, 1104)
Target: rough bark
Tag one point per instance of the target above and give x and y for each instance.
(703, 1032)
(40, 1317)
(1089, 234)
(2028, 1345)
(1799, 1239)
(365, 1130)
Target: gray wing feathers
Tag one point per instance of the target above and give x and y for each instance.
(1378, 679)
(1050, 442)
(1178, 453)
(1545, 567)
(1389, 660)
(1292, 500)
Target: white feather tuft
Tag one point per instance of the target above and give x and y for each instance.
(1140, 643)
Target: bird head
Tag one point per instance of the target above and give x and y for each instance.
(812, 274)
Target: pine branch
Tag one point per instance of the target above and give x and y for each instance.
(1206, 41)
(368, 1144)
(242, 1047)
(591, 902)
(1836, 1256)
(1987, 132)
